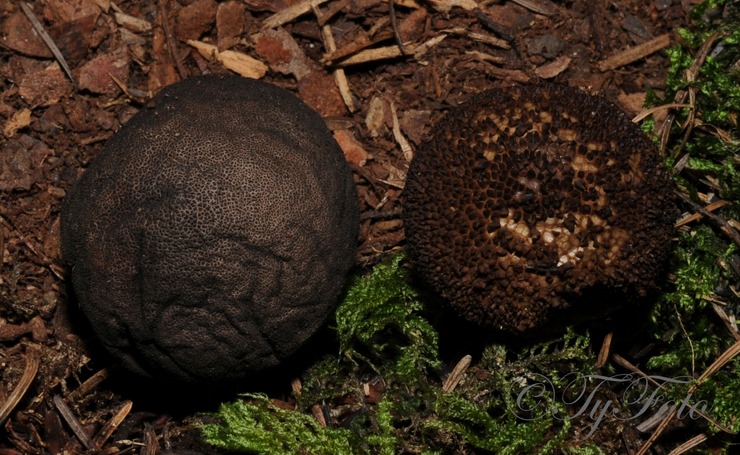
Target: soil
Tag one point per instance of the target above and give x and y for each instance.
(404, 62)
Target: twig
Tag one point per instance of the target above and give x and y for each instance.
(387, 52)
(47, 40)
(710, 208)
(91, 382)
(665, 128)
(171, 44)
(724, 225)
(729, 324)
(375, 215)
(332, 11)
(33, 358)
(723, 359)
(292, 12)
(339, 75)
(604, 351)
(688, 445)
(655, 109)
(73, 423)
(394, 26)
(489, 24)
(356, 47)
(398, 135)
(635, 53)
(112, 425)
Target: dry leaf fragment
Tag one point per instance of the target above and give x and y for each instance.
(238, 62)
(20, 119)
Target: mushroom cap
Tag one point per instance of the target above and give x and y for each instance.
(212, 235)
(529, 200)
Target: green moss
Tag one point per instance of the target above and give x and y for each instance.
(386, 342)
(690, 334)
(380, 319)
(257, 426)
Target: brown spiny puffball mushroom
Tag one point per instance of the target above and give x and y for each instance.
(529, 200)
(212, 235)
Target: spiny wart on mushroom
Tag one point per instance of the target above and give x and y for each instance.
(525, 200)
(212, 235)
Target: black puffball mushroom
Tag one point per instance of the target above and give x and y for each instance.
(213, 234)
(529, 202)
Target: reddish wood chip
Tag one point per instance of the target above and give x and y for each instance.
(411, 28)
(230, 18)
(196, 19)
(283, 54)
(353, 150)
(95, 75)
(319, 90)
(76, 37)
(18, 35)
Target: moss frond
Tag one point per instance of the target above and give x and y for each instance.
(254, 425)
(380, 318)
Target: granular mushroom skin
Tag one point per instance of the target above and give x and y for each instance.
(213, 234)
(527, 201)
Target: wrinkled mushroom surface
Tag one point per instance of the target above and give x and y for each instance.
(212, 235)
(531, 199)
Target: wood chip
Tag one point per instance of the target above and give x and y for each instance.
(635, 53)
(339, 75)
(318, 414)
(447, 5)
(290, 13)
(375, 117)
(352, 148)
(511, 75)
(112, 425)
(480, 37)
(360, 43)
(151, 446)
(716, 205)
(604, 351)
(457, 373)
(388, 52)
(91, 382)
(296, 386)
(552, 69)
(131, 23)
(238, 62)
(408, 153)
